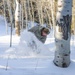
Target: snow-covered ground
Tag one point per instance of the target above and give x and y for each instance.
(25, 59)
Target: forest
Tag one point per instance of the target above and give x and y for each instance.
(41, 12)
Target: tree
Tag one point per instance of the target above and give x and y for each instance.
(18, 17)
(63, 33)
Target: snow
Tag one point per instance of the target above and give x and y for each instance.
(27, 58)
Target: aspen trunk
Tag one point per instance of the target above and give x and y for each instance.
(17, 17)
(63, 33)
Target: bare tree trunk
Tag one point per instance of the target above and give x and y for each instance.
(63, 33)
(52, 13)
(5, 17)
(17, 17)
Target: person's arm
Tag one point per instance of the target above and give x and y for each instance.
(33, 29)
(44, 39)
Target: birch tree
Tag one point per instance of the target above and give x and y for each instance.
(63, 33)
(18, 17)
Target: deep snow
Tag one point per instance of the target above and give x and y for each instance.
(23, 59)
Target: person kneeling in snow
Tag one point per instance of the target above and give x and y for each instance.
(40, 32)
(31, 41)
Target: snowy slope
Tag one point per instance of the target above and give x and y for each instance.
(23, 60)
